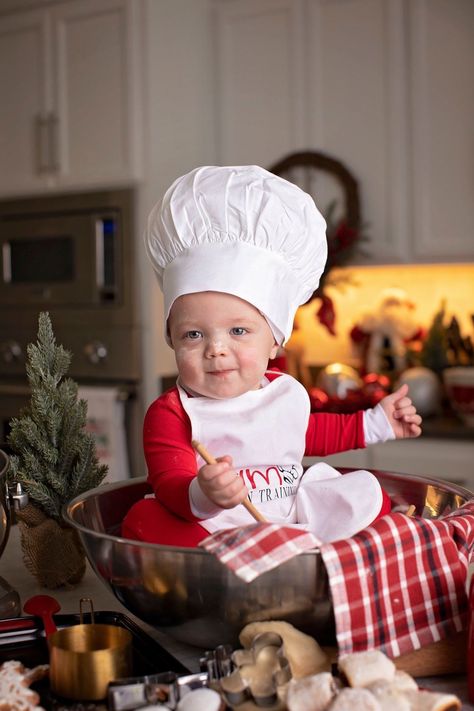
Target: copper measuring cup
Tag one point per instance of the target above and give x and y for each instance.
(84, 658)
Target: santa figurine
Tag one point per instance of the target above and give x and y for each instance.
(382, 337)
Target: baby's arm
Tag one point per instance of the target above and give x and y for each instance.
(170, 457)
(172, 468)
(329, 433)
(395, 417)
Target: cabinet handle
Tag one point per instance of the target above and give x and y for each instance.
(53, 123)
(41, 133)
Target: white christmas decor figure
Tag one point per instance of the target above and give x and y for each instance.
(382, 336)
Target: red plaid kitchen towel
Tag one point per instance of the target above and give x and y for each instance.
(401, 583)
(397, 585)
(252, 550)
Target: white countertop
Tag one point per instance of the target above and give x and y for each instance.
(14, 571)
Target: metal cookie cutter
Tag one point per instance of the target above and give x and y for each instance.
(164, 689)
(259, 672)
(134, 692)
(217, 663)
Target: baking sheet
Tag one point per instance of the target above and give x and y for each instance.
(23, 639)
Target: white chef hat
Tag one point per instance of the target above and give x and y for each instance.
(243, 231)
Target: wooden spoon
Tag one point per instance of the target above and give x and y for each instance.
(43, 606)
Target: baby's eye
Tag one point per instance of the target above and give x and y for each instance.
(193, 335)
(238, 331)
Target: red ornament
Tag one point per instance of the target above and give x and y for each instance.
(376, 387)
(318, 398)
(376, 380)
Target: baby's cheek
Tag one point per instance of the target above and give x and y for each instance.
(180, 353)
(253, 358)
(185, 361)
(185, 353)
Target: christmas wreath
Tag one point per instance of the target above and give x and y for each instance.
(344, 235)
(344, 243)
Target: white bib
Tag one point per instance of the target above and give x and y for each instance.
(264, 432)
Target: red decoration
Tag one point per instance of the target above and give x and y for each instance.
(326, 314)
(342, 245)
(279, 363)
(373, 381)
(319, 399)
(376, 386)
(374, 389)
(343, 238)
(343, 233)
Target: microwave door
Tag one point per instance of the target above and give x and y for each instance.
(56, 260)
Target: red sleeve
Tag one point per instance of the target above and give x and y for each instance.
(329, 433)
(169, 455)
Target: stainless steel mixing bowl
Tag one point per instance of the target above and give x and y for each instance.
(188, 594)
(4, 502)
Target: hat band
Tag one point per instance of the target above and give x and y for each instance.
(252, 273)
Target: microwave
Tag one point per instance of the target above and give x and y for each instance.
(72, 255)
(63, 251)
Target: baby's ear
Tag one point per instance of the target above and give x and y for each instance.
(274, 350)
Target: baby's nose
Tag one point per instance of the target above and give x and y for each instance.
(216, 347)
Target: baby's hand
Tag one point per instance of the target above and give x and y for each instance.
(221, 483)
(402, 414)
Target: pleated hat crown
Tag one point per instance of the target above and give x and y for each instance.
(239, 230)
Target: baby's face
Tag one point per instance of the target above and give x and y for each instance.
(222, 344)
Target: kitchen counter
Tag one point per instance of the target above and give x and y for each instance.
(14, 571)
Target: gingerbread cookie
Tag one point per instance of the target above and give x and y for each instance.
(15, 691)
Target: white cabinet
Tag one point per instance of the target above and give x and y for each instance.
(448, 459)
(23, 88)
(70, 96)
(442, 97)
(260, 85)
(385, 86)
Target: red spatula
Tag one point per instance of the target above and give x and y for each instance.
(43, 606)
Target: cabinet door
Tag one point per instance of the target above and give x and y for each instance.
(260, 81)
(357, 109)
(24, 101)
(442, 51)
(94, 96)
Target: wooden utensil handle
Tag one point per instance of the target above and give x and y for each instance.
(209, 459)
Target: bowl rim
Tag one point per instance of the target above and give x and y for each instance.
(112, 486)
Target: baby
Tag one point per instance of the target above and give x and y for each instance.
(237, 250)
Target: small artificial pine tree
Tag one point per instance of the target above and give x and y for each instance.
(434, 353)
(53, 456)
